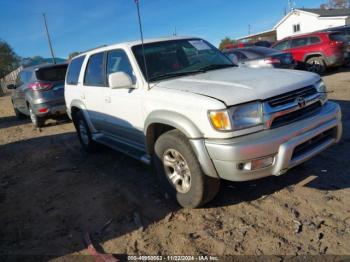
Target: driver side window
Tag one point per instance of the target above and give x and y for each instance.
(118, 61)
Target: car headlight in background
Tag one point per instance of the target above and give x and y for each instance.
(237, 117)
(322, 89)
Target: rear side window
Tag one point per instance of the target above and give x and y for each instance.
(298, 42)
(95, 74)
(74, 70)
(338, 37)
(314, 40)
(56, 73)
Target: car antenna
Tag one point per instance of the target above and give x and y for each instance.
(143, 48)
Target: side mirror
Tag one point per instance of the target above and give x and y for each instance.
(119, 80)
(11, 86)
(233, 58)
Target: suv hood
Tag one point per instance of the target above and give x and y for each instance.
(239, 85)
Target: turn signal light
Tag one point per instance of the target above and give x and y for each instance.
(220, 120)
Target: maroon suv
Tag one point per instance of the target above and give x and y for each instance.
(316, 51)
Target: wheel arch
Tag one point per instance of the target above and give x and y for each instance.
(76, 106)
(314, 54)
(161, 121)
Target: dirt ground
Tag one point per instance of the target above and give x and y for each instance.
(52, 194)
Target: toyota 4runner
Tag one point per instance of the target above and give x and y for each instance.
(181, 105)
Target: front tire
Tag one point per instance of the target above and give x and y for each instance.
(180, 173)
(316, 65)
(83, 131)
(36, 120)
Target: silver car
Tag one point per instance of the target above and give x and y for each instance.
(261, 57)
(39, 93)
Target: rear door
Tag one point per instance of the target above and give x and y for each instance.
(299, 47)
(93, 90)
(18, 93)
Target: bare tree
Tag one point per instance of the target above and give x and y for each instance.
(336, 4)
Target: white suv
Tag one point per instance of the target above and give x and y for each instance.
(180, 104)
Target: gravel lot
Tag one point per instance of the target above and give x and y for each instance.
(52, 194)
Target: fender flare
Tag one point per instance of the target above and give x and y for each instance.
(178, 121)
(79, 104)
(312, 54)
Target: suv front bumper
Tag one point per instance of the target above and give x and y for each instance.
(307, 135)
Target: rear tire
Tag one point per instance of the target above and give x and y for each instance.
(36, 120)
(316, 65)
(18, 113)
(180, 173)
(83, 131)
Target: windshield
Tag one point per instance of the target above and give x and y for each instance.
(179, 57)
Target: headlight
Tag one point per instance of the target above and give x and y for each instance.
(237, 117)
(322, 89)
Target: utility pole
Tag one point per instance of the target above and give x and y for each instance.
(249, 29)
(175, 32)
(49, 39)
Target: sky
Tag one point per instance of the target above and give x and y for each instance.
(78, 25)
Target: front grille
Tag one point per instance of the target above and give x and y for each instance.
(314, 142)
(296, 115)
(291, 96)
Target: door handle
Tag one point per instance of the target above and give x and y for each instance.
(107, 99)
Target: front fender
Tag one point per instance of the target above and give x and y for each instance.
(180, 122)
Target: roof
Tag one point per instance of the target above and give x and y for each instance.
(130, 44)
(256, 34)
(318, 12)
(35, 67)
(328, 12)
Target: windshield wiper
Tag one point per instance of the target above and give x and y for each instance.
(217, 66)
(175, 74)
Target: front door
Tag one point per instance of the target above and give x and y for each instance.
(124, 120)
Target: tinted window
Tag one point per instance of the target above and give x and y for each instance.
(56, 73)
(299, 42)
(19, 79)
(118, 61)
(282, 45)
(94, 74)
(314, 40)
(338, 37)
(74, 70)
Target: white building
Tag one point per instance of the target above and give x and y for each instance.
(301, 21)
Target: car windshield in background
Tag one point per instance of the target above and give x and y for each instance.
(54, 73)
(255, 52)
(179, 57)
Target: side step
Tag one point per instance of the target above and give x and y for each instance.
(123, 148)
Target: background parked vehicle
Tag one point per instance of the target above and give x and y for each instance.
(345, 31)
(250, 44)
(39, 93)
(317, 51)
(261, 57)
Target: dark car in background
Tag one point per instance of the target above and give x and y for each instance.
(316, 51)
(39, 92)
(260, 57)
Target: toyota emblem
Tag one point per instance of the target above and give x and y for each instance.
(300, 101)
